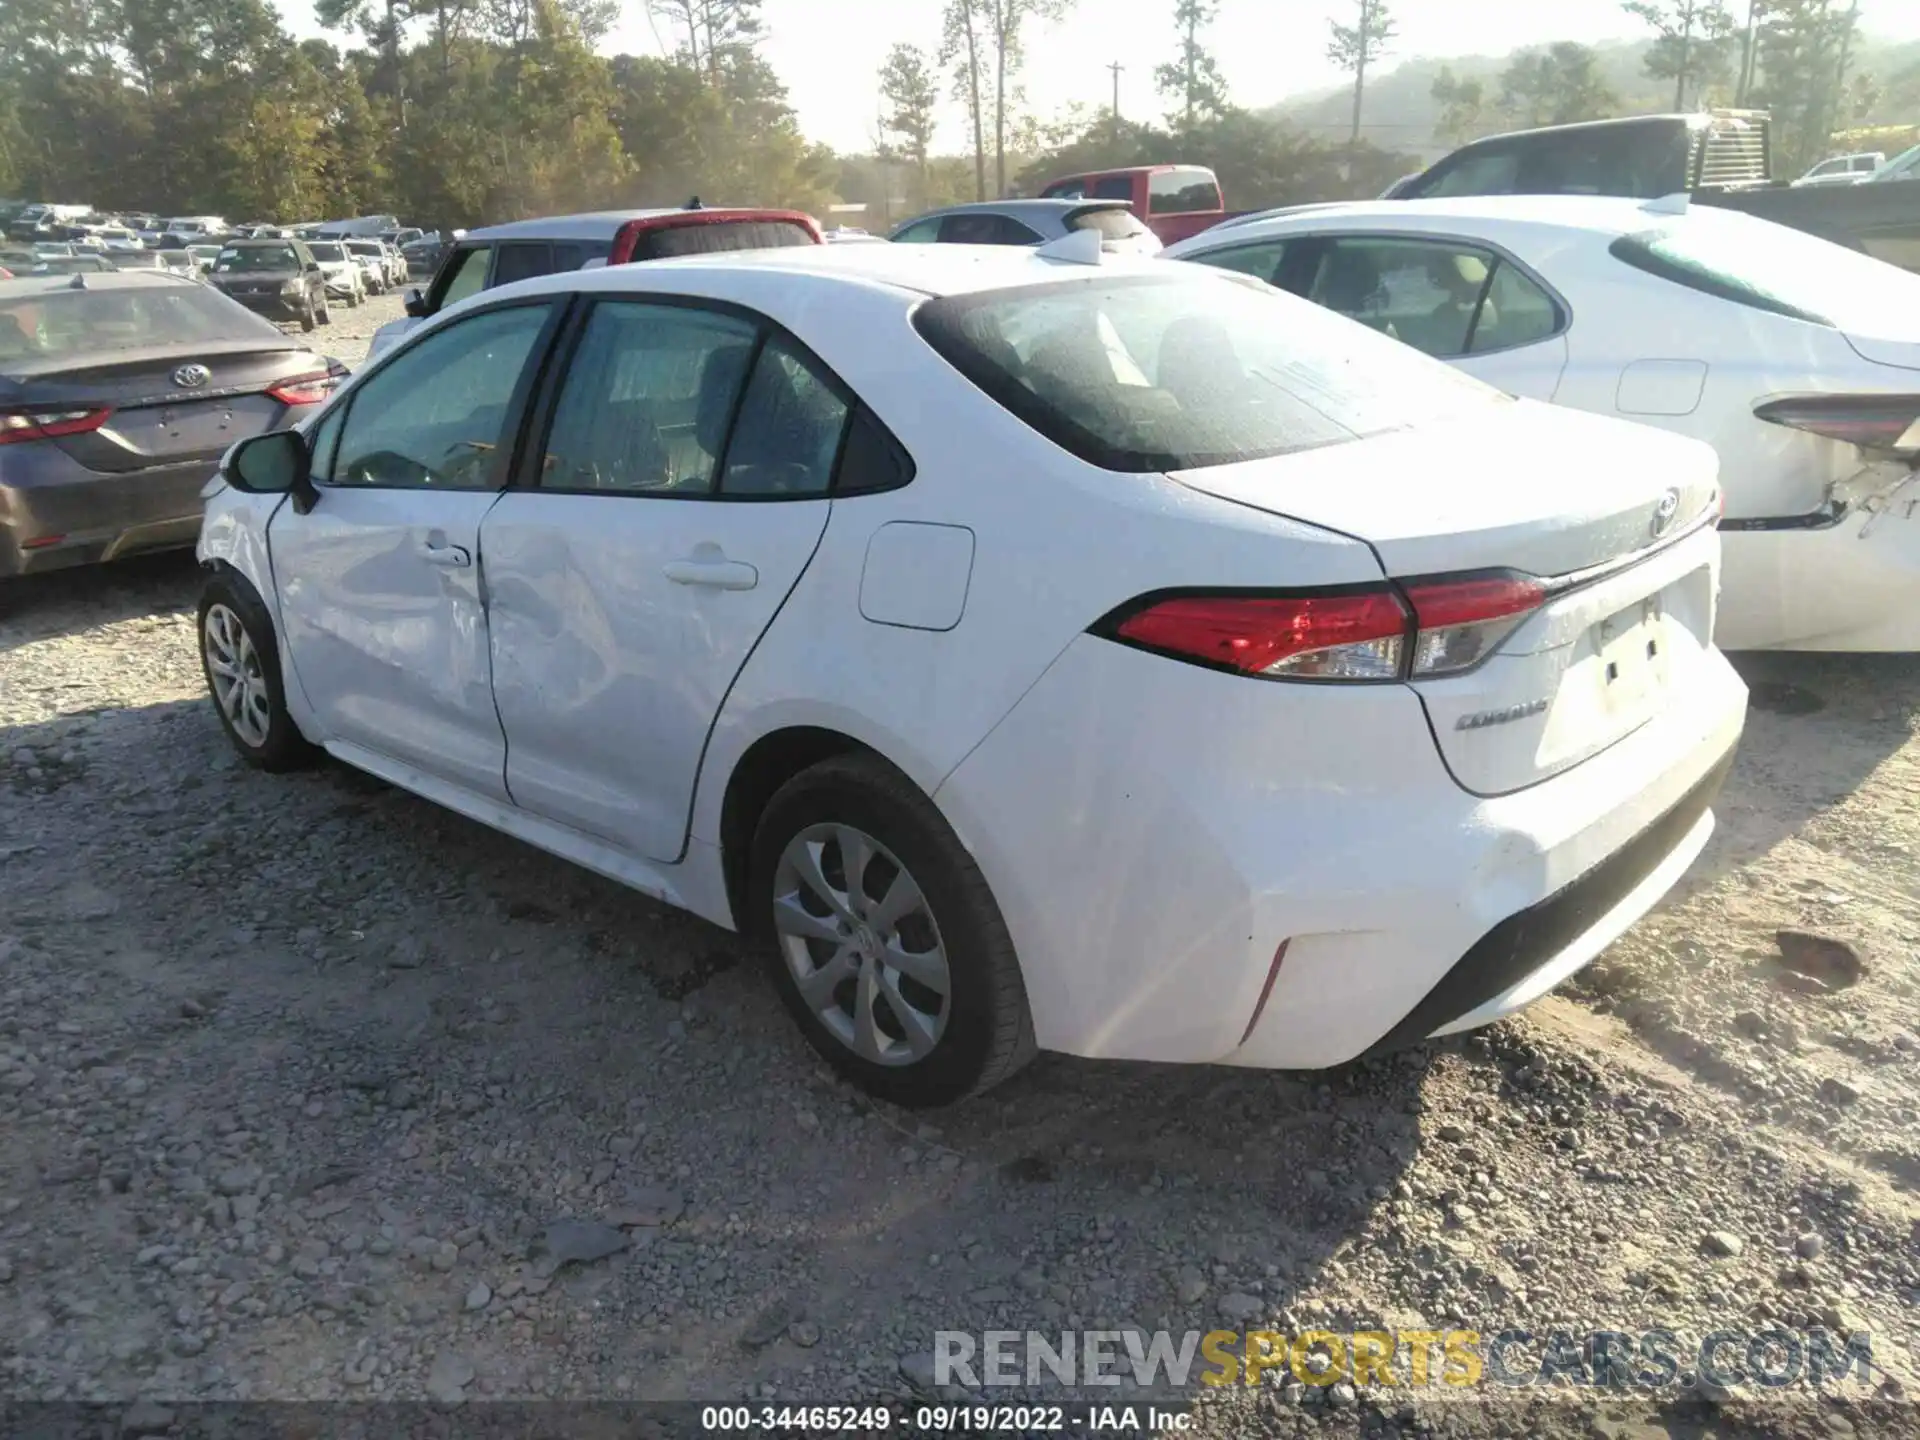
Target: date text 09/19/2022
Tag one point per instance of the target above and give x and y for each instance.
(941, 1419)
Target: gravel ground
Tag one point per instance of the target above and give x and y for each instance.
(348, 336)
(300, 1072)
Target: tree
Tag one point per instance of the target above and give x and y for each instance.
(717, 31)
(1693, 43)
(963, 43)
(909, 96)
(1356, 46)
(1802, 49)
(1559, 85)
(1463, 105)
(1193, 81)
(1006, 23)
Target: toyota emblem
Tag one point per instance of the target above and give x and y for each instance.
(1664, 512)
(192, 377)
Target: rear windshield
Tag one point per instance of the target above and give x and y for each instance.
(327, 250)
(1142, 373)
(1787, 272)
(74, 323)
(257, 257)
(714, 235)
(1113, 224)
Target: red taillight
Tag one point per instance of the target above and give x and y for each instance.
(1350, 635)
(16, 425)
(1462, 620)
(1879, 422)
(1423, 629)
(305, 389)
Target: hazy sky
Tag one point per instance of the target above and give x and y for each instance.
(827, 51)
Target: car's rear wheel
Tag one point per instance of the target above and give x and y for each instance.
(888, 948)
(241, 660)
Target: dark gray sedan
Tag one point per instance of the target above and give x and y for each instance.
(1030, 222)
(118, 395)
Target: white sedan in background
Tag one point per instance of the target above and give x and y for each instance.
(1798, 360)
(1037, 648)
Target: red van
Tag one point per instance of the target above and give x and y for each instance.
(1175, 201)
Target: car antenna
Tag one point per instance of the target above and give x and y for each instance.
(1674, 204)
(694, 204)
(1076, 247)
(79, 280)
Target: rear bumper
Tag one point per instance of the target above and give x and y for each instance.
(1155, 832)
(1854, 586)
(50, 525)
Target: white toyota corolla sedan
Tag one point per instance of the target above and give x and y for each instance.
(1039, 649)
(1798, 360)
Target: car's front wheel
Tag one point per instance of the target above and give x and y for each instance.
(241, 660)
(888, 948)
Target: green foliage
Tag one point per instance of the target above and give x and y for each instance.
(1694, 45)
(1559, 85)
(910, 102)
(1464, 112)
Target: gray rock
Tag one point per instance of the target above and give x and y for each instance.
(448, 1377)
(647, 1207)
(1808, 1247)
(579, 1242)
(239, 1180)
(804, 1333)
(1189, 1286)
(1242, 1307)
(918, 1370)
(479, 1296)
(768, 1326)
(1341, 1396)
(1452, 1133)
(1723, 1243)
(146, 1417)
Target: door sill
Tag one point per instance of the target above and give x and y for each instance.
(570, 845)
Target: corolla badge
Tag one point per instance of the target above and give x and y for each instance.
(1664, 512)
(192, 377)
(1505, 716)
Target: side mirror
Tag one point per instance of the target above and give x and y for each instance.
(312, 265)
(416, 304)
(276, 463)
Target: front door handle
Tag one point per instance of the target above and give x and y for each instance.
(436, 551)
(717, 574)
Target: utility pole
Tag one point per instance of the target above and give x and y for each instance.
(1116, 67)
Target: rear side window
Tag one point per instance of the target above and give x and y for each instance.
(1073, 189)
(1444, 298)
(712, 236)
(1144, 373)
(1182, 191)
(522, 262)
(1784, 272)
(982, 227)
(788, 432)
(572, 254)
(1112, 187)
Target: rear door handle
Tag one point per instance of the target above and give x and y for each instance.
(716, 574)
(436, 551)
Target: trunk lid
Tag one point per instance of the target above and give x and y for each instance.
(155, 420)
(1899, 352)
(1613, 516)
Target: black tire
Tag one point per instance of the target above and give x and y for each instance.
(283, 747)
(988, 1031)
(306, 316)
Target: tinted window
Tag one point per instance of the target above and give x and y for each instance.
(436, 414)
(1493, 171)
(465, 276)
(649, 397)
(1262, 259)
(921, 232)
(1073, 189)
(572, 254)
(982, 227)
(870, 459)
(1516, 312)
(1112, 187)
(1182, 191)
(788, 432)
(710, 236)
(1424, 293)
(1148, 373)
(521, 262)
(1770, 267)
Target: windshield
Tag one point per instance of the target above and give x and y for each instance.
(1904, 166)
(1145, 373)
(256, 257)
(326, 250)
(64, 323)
(363, 247)
(1787, 272)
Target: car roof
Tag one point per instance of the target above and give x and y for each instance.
(908, 269)
(1600, 215)
(601, 224)
(24, 285)
(1020, 207)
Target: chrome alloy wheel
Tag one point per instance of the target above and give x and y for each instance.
(239, 684)
(862, 945)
